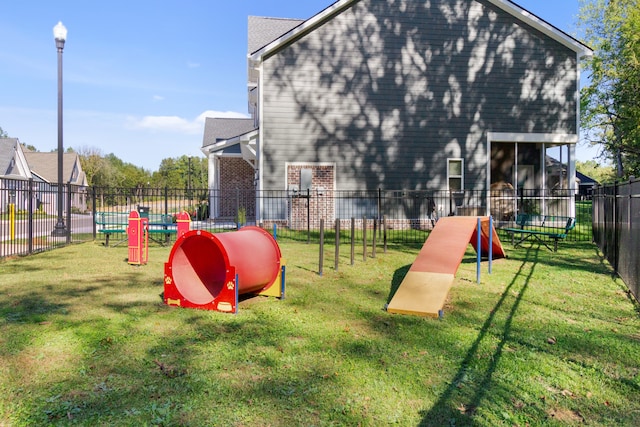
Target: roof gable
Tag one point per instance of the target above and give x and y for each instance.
(45, 165)
(217, 129)
(585, 180)
(262, 31)
(12, 160)
(341, 5)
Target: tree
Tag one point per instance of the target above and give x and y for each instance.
(185, 172)
(610, 105)
(98, 170)
(3, 134)
(189, 173)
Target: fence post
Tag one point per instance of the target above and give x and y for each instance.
(373, 242)
(630, 201)
(353, 240)
(337, 243)
(490, 249)
(308, 216)
(616, 250)
(30, 213)
(478, 248)
(364, 238)
(166, 200)
(384, 232)
(320, 262)
(93, 210)
(238, 220)
(69, 213)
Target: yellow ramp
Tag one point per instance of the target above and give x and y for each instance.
(421, 294)
(424, 289)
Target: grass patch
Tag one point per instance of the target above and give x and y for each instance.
(548, 338)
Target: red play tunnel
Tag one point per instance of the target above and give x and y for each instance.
(208, 270)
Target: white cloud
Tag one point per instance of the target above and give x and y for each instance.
(158, 98)
(193, 64)
(178, 124)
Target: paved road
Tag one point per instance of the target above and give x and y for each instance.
(42, 227)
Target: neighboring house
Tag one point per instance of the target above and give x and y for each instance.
(432, 95)
(44, 168)
(14, 174)
(20, 166)
(557, 172)
(585, 185)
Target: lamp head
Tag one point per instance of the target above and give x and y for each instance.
(60, 32)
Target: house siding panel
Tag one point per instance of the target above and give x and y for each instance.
(388, 92)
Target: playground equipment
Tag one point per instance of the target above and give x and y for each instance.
(138, 235)
(210, 271)
(424, 289)
(138, 231)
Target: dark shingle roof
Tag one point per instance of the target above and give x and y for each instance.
(262, 31)
(585, 180)
(45, 165)
(217, 129)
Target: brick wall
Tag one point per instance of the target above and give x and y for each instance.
(236, 174)
(319, 206)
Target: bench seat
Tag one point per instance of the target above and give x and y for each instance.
(109, 223)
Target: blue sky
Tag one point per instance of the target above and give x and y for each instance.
(141, 75)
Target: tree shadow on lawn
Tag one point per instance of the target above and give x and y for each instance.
(460, 401)
(448, 409)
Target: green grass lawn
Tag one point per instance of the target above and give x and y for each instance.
(547, 339)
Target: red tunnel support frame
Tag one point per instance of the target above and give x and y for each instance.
(209, 271)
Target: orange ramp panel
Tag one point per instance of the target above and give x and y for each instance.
(424, 289)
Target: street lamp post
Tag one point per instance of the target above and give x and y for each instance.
(60, 36)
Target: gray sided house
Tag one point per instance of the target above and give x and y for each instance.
(437, 95)
(14, 174)
(22, 170)
(44, 168)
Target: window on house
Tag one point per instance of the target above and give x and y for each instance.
(455, 174)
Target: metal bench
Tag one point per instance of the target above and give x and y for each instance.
(114, 223)
(541, 228)
(161, 224)
(109, 223)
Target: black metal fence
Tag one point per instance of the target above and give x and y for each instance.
(405, 216)
(28, 215)
(616, 229)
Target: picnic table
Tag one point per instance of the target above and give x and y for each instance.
(541, 228)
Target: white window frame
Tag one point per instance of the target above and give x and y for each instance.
(450, 160)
